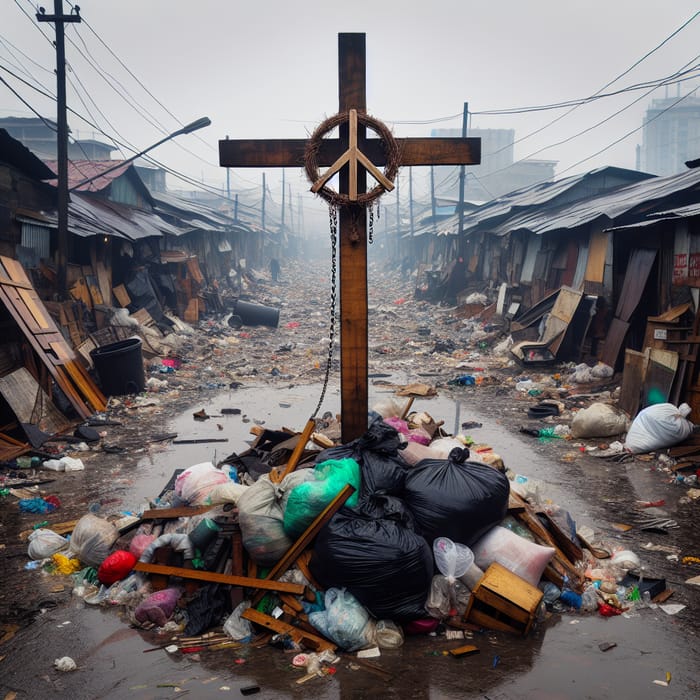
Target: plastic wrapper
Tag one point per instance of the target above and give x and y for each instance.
(456, 498)
(238, 627)
(388, 634)
(64, 565)
(92, 539)
(446, 598)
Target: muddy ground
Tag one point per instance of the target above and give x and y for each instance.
(274, 376)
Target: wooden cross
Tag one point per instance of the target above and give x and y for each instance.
(343, 154)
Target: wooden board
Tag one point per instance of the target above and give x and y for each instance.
(30, 403)
(121, 295)
(632, 378)
(210, 576)
(34, 321)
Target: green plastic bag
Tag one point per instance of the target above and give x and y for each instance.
(308, 500)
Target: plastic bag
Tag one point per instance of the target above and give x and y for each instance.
(446, 598)
(456, 498)
(116, 567)
(158, 607)
(344, 620)
(599, 420)
(261, 516)
(308, 500)
(387, 566)
(382, 470)
(525, 559)
(658, 426)
(238, 627)
(452, 559)
(194, 485)
(388, 634)
(43, 543)
(92, 539)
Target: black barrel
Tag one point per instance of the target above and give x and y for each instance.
(256, 314)
(119, 367)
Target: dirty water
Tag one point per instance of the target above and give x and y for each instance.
(561, 659)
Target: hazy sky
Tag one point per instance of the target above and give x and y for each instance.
(139, 69)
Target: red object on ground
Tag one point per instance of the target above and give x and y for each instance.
(608, 610)
(53, 500)
(116, 566)
(652, 504)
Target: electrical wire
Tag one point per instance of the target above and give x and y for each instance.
(629, 133)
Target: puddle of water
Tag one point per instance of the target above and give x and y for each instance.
(290, 407)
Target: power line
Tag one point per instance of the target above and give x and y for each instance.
(629, 133)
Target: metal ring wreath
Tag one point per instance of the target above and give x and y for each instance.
(391, 150)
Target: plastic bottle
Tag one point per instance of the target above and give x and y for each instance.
(589, 600)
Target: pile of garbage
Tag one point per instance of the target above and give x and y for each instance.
(343, 547)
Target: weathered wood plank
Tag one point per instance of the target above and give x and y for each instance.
(251, 153)
(197, 575)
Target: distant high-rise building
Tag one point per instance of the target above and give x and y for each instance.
(671, 135)
(497, 174)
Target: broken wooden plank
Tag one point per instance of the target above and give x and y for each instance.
(276, 475)
(171, 513)
(313, 641)
(227, 579)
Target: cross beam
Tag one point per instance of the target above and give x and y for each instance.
(254, 153)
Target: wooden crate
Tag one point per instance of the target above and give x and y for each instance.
(503, 601)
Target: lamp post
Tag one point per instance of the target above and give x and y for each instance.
(187, 129)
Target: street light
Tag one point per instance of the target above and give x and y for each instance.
(187, 129)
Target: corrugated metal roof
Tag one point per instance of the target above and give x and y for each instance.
(610, 205)
(14, 153)
(197, 215)
(79, 170)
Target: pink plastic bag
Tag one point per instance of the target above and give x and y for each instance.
(158, 607)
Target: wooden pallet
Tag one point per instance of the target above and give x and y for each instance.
(28, 311)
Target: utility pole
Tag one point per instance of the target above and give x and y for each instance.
(460, 245)
(59, 19)
(398, 214)
(433, 204)
(282, 212)
(262, 208)
(410, 199)
(228, 179)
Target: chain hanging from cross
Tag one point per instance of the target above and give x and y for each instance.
(352, 157)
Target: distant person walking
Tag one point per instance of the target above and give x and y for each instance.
(275, 269)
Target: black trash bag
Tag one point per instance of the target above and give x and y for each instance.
(386, 566)
(456, 498)
(382, 470)
(211, 604)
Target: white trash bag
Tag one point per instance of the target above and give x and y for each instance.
(657, 427)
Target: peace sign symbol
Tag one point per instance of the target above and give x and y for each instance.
(352, 157)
